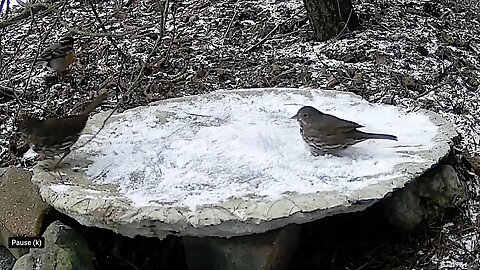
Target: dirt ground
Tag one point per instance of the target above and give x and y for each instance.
(413, 54)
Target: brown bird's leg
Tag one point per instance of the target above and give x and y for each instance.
(64, 155)
(41, 157)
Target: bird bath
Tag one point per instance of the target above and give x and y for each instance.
(232, 163)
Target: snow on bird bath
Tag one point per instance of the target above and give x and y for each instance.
(246, 146)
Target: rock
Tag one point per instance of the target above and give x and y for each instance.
(21, 206)
(64, 249)
(26, 262)
(429, 196)
(267, 251)
(136, 206)
(6, 259)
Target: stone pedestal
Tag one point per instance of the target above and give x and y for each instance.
(269, 251)
(429, 196)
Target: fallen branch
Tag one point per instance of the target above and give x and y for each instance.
(9, 92)
(101, 34)
(33, 8)
(267, 36)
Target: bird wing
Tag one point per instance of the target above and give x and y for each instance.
(341, 125)
(54, 51)
(55, 130)
(69, 124)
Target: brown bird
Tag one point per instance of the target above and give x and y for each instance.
(325, 133)
(55, 136)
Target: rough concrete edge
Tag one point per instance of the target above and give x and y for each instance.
(151, 225)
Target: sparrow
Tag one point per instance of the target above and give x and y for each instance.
(326, 134)
(58, 56)
(55, 136)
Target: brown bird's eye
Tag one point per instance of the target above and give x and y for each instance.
(305, 115)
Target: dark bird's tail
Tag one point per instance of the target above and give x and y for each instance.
(379, 136)
(95, 103)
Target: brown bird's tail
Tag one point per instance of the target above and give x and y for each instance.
(379, 136)
(95, 103)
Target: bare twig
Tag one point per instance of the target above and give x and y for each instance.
(230, 25)
(383, 26)
(200, 115)
(102, 26)
(267, 36)
(164, 17)
(134, 83)
(345, 23)
(34, 8)
(9, 91)
(290, 33)
(174, 34)
(140, 73)
(2, 55)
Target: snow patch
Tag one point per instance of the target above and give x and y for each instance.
(60, 188)
(235, 147)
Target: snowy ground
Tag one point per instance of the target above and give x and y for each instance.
(237, 147)
(413, 54)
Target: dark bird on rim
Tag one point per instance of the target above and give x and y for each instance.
(326, 134)
(55, 136)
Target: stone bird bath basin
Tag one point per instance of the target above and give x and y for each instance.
(232, 163)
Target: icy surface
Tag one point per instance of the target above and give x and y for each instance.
(247, 147)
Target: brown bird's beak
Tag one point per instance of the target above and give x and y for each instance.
(294, 117)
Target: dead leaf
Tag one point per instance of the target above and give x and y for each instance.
(381, 59)
(332, 81)
(408, 82)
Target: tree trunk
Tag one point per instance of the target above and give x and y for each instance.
(330, 17)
